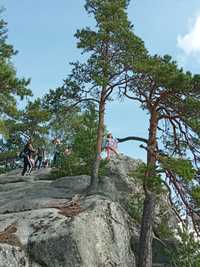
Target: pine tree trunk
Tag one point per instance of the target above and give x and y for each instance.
(146, 235)
(100, 133)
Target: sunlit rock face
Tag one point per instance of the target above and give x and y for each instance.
(45, 223)
(33, 232)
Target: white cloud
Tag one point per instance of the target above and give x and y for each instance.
(190, 42)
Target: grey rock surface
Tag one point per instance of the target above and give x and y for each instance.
(34, 232)
(11, 256)
(98, 235)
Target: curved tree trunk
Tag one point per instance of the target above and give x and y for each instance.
(146, 235)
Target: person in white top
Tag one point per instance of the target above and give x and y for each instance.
(111, 146)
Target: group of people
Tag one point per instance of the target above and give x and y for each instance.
(57, 151)
(109, 145)
(33, 158)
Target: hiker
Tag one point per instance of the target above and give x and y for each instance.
(40, 156)
(45, 163)
(67, 151)
(57, 144)
(26, 154)
(32, 162)
(111, 146)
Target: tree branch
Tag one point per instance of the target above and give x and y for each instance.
(132, 138)
(79, 101)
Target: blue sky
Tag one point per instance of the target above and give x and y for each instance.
(43, 32)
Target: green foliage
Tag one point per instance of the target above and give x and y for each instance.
(180, 167)
(135, 206)
(7, 160)
(187, 252)
(8, 155)
(72, 165)
(139, 172)
(62, 120)
(153, 180)
(85, 138)
(10, 85)
(11, 89)
(29, 123)
(196, 195)
(33, 122)
(83, 146)
(113, 49)
(194, 123)
(162, 229)
(135, 210)
(68, 166)
(3, 129)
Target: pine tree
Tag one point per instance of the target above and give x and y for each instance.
(112, 51)
(10, 86)
(171, 98)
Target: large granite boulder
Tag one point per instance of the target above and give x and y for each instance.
(98, 235)
(35, 231)
(53, 223)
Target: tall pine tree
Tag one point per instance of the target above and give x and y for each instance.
(171, 98)
(112, 51)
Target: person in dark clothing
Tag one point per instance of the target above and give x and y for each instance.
(40, 156)
(57, 144)
(27, 153)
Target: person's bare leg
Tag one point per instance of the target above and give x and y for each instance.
(113, 150)
(108, 153)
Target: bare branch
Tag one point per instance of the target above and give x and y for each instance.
(79, 101)
(132, 138)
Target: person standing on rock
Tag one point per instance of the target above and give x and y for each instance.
(32, 162)
(27, 155)
(111, 146)
(57, 145)
(40, 157)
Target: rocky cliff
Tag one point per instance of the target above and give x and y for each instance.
(45, 223)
